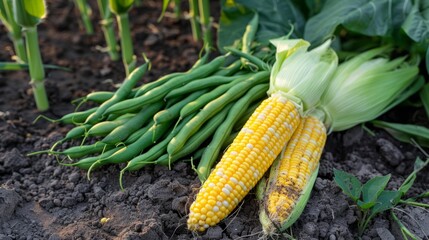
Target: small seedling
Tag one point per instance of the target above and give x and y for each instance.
(85, 13)
(372, 197)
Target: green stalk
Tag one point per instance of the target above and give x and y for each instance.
(85, 13)
(107, 27)
(126, 43)
(15, 31)
(206, 22)
(193, 14)
(37, 71)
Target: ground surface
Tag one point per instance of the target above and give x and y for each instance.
(39, 199)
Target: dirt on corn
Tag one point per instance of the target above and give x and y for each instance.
(40, 199)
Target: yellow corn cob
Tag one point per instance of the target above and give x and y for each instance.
(245, 161)
(291, 175)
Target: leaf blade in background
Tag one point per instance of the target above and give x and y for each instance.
(405, 132)
(367, 17)
(416, 25)
(236, 15)
(424, 97)
(350, 185)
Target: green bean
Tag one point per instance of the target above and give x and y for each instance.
(212, 108)
(197, 139)
(249, 34)
(84, 150)
(230, 69)
(259, 63)
(152, 154)
(122, 93)
(200, 84)
(203, 100)
(149, 86)
(240, 123)
(86, 163)
(202, 60)
(126, 153)
(140, 119)
(71, 118)
(174, 111)
(159, 92)
(237, 111)
(105, 127)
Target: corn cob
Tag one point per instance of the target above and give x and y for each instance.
(248, 158)
(292, 90)
(292, 173)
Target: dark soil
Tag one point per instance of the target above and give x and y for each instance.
(39, 199)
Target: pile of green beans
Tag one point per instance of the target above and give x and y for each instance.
(184, 115)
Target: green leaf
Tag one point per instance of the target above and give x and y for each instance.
(350, 185)
(120, 6)
(427, 60)
(29, 13)
(164, 8)
(416, 26)
(275, 20)
(405, 132)
(385, 201)
(367, 17)
(373, 188)
(365, 205)
(13, 66)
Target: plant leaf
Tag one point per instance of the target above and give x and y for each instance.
(385, 201)
(164, 8)
(373, 188)
(275, 20)
(409, 181)
(367, 17)
(13, 66)
(427, 60)
(424, 97)
(405, 132)
(416, 25)
(350, 185)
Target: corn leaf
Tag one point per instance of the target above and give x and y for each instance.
(424, 97)
(405, 132)
(371, 190)
(350, 185)
(416, 26)
(367, 17)
(276, 19)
